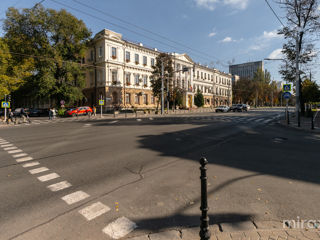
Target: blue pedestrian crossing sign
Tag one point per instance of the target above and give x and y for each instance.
(5, 104)
(287, 87)
(101, 102)
(287, 95)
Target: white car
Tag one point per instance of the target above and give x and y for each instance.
(223, 109)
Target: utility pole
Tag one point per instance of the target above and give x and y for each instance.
(168, 95)
(95, 76)
(162, 87)
(298, 108)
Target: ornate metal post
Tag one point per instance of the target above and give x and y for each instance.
(204, 226)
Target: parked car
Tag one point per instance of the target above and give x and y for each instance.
(233, 107)
(35, 112)
(78, 111)
(222, 109)
(246, 107)
(239, 107)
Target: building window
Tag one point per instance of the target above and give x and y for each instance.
(128, 98)
(114, 76)
(178, 67)
(128, 80)
(205, 75)
(152, 62)
(127, 56)
(144, 60)
(91, 55)
(114, 52)
(145, 81)
(100, 52)
(136, 79)
(152, 99)
(136, 99)
(198, 74)
(145, 99)
(201, 75)
(91, 78)
(136, 58)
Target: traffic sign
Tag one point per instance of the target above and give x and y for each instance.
(5, 104)
(62, 102)
(287, 95)
(108, 98)
(101, 102)
(287, 87)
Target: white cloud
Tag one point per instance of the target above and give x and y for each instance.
(213, 33)
(270, 35)
(227, 39)
(276, 54)
(212, 4)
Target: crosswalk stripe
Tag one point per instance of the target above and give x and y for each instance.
(15, 151)
(6, 145)
(9, 148)
(48, 177)
(75, 197)
(119, 228)
(24, 159)
(94, 210)
(38, 170)
(20, 155)
(31, 164)
(59, 186)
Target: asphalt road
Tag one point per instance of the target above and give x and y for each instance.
(143, 174)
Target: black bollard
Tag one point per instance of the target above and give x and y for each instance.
(312, 123)
(204, 225)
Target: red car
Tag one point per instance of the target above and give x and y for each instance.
(78, 111)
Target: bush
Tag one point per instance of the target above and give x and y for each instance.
(61, 112)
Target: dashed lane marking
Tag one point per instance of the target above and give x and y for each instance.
(20, 155)
(7, 145)
(48, 177)
(75, 197)
(15, 151)
(113, 122)
(94, 210)
(59, 186)
(119, 228)
(38, 170)
(24, 159)
(10, 148)
(31, 164)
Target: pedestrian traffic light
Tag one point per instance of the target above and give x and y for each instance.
(9, 98)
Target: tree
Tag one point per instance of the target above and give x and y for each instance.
(12, 75)
(310, 91)
(56, 42)
(156, 75)
(198, 99)
(301, 31)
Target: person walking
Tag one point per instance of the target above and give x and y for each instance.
(10, 116)
(54, 113)
(25, 115)
(50, 114)
(94, 111)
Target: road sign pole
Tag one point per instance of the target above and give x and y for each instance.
(5, 108)
(287, 111)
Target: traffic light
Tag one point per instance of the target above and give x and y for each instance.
(9, 98)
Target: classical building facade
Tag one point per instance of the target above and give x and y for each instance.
(119, 72)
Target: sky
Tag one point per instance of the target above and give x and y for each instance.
(211, 32)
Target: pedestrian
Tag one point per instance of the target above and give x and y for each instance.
(94, 111)
(50, 114)
(25, 115)
(54, 113)
(10, 116)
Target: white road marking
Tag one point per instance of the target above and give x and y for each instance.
(150, 118)
(139, 120)
(59, 186)
(113, 122)
(4, 142)
(94, 210)
(24, 159)
(119, 228)
(38, 170)
(48, 177)
(31, 164)
(20, 155)
(75, 197)
(7, 145)
(15, 151)
(87, 124)
(9, 148)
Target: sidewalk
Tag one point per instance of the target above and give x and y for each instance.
(305, 123)
(265, 230)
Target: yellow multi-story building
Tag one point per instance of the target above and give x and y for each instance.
(120, 73)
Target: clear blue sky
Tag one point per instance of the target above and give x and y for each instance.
(227, 30)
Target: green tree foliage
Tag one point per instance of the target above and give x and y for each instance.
(310, 91)
(12, 74)
(57, 41)
(199, 99)
(156, 74)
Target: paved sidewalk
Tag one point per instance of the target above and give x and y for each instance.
(266, 230)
